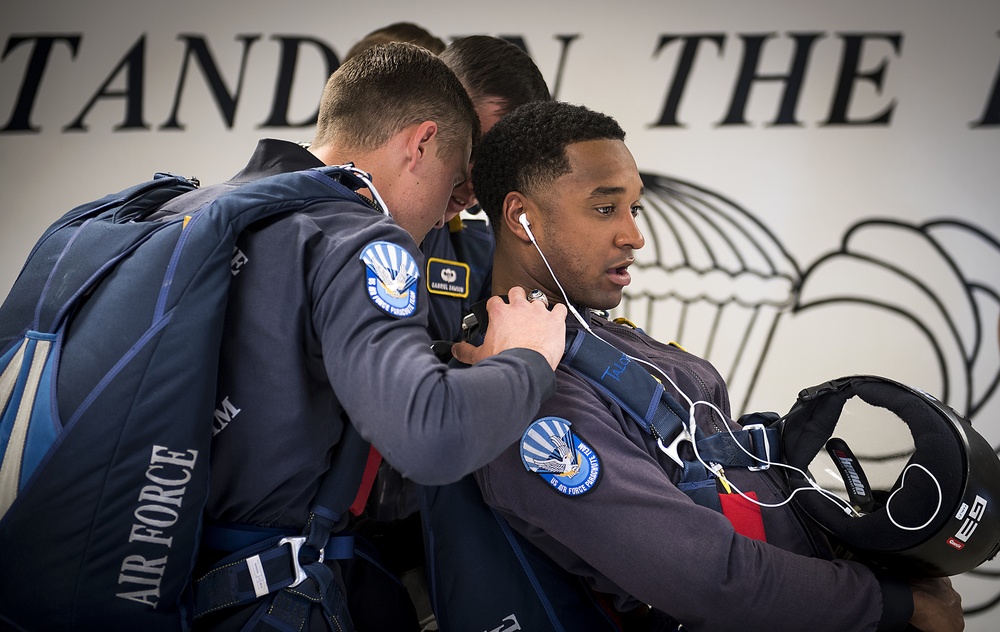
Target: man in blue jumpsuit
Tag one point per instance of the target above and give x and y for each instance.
(560, 177)
(327, 320)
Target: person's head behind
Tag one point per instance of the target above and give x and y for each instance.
(563, 170)
(498, 75)
(384, 91)
(398, 32)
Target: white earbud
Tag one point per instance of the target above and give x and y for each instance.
(523, 220)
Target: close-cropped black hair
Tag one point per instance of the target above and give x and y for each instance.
(527, 149)
(493, 68)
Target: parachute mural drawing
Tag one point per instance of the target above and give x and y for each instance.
(711, 277)
(915, 302)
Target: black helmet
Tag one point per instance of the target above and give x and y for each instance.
(939, 521)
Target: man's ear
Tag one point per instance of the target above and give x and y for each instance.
(421, 142)
(515, 205)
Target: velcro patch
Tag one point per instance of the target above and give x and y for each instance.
(448, 278)
(391, 276)
(553, 451)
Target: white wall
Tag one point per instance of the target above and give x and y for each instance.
(769, 210)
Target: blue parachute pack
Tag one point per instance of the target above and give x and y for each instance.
(109, 344)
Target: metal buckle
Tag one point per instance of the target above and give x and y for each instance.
(765, 457)
(671, 450)
(469, 322)
(296, 542)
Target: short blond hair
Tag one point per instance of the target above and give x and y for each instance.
(388, 88)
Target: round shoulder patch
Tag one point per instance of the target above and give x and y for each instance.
(391, 276)
(552, 450)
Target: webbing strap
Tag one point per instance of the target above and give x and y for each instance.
(762, 444)
(627, 383)
(273, 566)
(290, 610)
(644, 399)
(279, 562)
(264, 568)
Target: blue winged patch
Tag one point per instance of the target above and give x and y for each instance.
(553, 451)
(391, 277)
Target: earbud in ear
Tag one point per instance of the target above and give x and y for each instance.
(523, 220)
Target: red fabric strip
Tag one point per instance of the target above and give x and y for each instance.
(367, 480)
(744, 515)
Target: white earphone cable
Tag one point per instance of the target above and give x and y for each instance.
(845, 506)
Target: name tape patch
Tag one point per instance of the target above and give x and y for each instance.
(553, 451)
(448, 278)
(391, 276)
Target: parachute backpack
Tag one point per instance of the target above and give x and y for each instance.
(941, 515)
(109, 344)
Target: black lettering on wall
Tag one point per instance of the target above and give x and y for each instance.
(197, 47)
(850, 73)
(752, 46)
(565, 41)
(685, 63)
(564, 44)
(991, 114)
(20, 118)
(134, 61)
(290, 46)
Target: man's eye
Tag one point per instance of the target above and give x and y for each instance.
(636, 209)
(606, 210)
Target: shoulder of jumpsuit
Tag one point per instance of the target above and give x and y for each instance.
(270, 157)
(347, 232)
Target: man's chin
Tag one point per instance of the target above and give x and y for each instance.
(605, 301)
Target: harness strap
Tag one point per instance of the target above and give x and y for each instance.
(233, 538)
(290, 610)
(627, 384)
(724, 448)
(644, 399)
(274, 561)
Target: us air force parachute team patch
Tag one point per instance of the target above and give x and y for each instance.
(553, 451)
(391, 277)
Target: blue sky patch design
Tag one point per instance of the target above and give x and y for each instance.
(391, 276)
(553, 451)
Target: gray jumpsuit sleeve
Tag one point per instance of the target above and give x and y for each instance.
(636, 536)
(431, 423)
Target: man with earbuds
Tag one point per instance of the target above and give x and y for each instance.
(562, 193)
